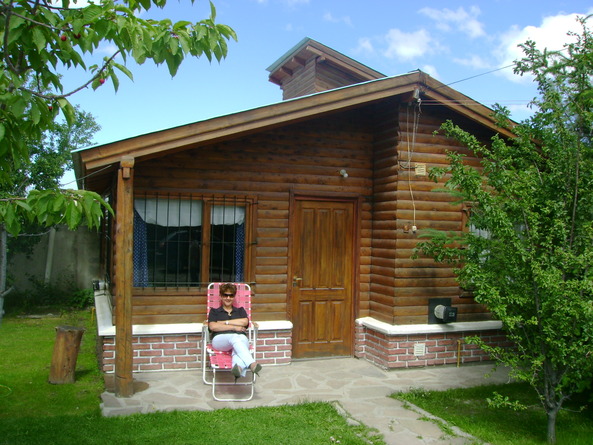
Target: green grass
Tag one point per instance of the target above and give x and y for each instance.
(468, 410)
(35, 411)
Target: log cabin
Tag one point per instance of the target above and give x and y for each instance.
(317, 201)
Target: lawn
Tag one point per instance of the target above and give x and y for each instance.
(468, 410)
(35, 411)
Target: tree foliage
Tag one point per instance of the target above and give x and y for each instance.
(41, 38)
(529, 254)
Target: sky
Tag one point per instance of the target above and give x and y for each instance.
(460, 43)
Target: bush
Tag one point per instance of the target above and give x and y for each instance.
(64, 295)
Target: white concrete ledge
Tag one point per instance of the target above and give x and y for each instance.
(106, 328)
(410, 329)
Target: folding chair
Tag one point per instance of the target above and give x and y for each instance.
(214, 361)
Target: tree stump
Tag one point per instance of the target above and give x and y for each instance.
(66, 347)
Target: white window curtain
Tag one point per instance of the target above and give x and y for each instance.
(169, 212)
(185, 213)
(226, 215)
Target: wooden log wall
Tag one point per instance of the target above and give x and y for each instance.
(302, 158)
(384, 216)
(371, 143)
(407, 199)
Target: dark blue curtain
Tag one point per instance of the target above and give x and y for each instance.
(140, 252)
(239, 251)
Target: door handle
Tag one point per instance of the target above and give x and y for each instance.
(295, 280)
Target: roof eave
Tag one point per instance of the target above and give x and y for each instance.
(281, 113)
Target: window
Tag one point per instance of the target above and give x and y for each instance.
(469, 227)
(188, 241)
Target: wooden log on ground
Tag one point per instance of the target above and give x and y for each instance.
(66, 347)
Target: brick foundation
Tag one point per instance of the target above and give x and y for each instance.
(408, 350)
(178, 347)
(183, 352)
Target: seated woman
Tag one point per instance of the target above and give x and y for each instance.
(228, 329)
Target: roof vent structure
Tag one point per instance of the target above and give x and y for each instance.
(311, 67)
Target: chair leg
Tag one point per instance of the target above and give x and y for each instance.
(217, 397)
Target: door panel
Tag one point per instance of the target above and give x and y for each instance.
(322, 286)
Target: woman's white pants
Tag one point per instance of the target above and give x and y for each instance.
(239, 344)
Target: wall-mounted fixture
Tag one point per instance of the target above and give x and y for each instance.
(441, 311)
(99, 285)
(343, 173)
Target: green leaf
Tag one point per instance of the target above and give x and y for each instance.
(11, 221)
(73, 215)
(18, 106)
(91, 13)
(67, 109)
(38, 38)
(23, 205)
(212, 11)
(115, 81)
(124, 70)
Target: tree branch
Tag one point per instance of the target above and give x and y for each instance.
(61, 96)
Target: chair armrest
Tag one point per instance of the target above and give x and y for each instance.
(205, 332)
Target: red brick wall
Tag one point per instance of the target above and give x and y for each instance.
(183, 352)
(397, 351)
(274, 347)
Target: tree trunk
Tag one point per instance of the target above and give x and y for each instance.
(552, 414)
(3, 268)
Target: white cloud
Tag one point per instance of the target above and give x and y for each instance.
(431, 71)
(328, 17)
(406, 46)
(551, 34)
(462, 20)
(474, 61)
(108, 49)
(365, 46)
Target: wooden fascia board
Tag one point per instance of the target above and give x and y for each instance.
(233, 125)
(324, 57)
(463, 105)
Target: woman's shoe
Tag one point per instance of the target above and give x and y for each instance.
(236, 372)
(256, 369)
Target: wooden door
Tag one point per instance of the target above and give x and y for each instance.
(322, 278)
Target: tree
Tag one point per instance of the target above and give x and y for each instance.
(41, 38)
(530, 261)
(49, 159)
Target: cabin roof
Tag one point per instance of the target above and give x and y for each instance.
(101, 160)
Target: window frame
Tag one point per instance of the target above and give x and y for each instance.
(209, 200)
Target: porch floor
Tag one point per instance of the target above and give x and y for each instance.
(359, 388)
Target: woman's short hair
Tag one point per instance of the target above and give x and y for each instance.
(228, 288)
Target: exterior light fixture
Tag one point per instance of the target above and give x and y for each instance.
(344, 173)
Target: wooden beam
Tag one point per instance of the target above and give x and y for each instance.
(124, 227)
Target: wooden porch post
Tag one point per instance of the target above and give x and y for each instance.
(124, 217)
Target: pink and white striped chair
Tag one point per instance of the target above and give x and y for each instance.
(214, 361)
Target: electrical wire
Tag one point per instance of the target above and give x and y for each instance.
(477, 75)
(87, 176)
(411, 147)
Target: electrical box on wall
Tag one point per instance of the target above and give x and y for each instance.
(441, 311)
(420, 169)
